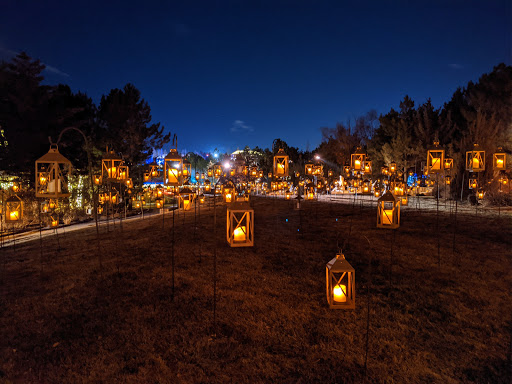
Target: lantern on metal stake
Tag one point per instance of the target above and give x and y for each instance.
(240, 225)
(340, 283)
(281, 164)
(475, 159)
(388, 211)
(499, 160)
(13, 209)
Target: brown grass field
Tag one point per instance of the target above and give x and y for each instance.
(66, 318)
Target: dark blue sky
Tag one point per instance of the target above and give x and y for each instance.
(232, 73)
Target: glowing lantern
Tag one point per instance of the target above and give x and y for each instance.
(13, 209)
(376, 193)
(503, 180)
(173, 164)
(54, 221)
(480, 194)
(187, 169)
(404, 200)
(309, 169)
(388, 211)
(357, 159)
(16, 187)
(186, 198)
(473, 183)
(367, 165)
(123, 172)
(499, 160)
(52, 204)
(254, 172)
(201, 199)
(100, 210)
(217, 170)
(448, 163)
(110, 164)
(159, 203)
(232, 172)
(448, 180)
(45, 207)
(475, 160)
(435, 159)
(207, 185)
(346, 169)
(54, 170)
(240, 225)
(281, 164)
(210, 172)
(392, 167)
(137, 204)
(340, 283)
(129, 183)
(97, 179)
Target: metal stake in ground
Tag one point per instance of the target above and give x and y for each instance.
(172, 257)
(368, 309)
(437, 224)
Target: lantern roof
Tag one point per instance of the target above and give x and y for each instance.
(185, 161)
(339, 264)
(13, 198)
(207, 182)
(310, 185)
(359, 151)
(435, 146)
(388, 196)
(186, 191)
(281, 152)
(499, 151)
(111, 155)
(173, 155)
(53, 156)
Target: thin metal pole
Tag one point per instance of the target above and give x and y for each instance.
(172, 256)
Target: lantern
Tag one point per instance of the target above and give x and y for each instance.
(52, 173)
(173, 164)
(187, 169)
(16, 187)
(217, 170)
(288, 195)
(346, 169)
(13, 209)
(473, 183)
(159, 203)
(309, 169)
(367, 190)
(376, 193)
(448, 180)
(357, 159)
(123, 172)
(448, 163)
(201, 199)
(207, 185)
(100, 209)
(480, 194)
(340, 283)
(110, 166)
(367, 165)
(388, 211)
(186, 198)
(45, 207)
(137, 205)
(97, 179)
(404, 200)
(197, 176)
(210, 172)
(281, 164)
(310, 191)
(499, 160)
(54, 221)
(228, 192)
(503, 180)
(254, 172)
(240, 225)
(475, 160)
(52, 204)
(392, 167)
(435, 158)
(129, 183)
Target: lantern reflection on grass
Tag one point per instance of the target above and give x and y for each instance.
(340, 283)
(240, 225)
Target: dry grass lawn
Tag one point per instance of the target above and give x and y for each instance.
(65, 319)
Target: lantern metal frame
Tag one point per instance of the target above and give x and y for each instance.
(110, 164)
(240, 218)
(448, 163)
(388, 211)
(340, 274)
(186, 203)
(173, 165)
(281, 164)
(52, 174)
(357, 160)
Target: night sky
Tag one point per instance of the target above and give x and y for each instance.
(227, 74)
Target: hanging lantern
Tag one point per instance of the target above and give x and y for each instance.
(232, 172)
(240, 225)
(173, 164)
(207, 185)
(310, 191)
(392, 167)
(210, 172)
(97, 179)
(187, 169)
(186, 198)
(13, 209)
(475, 160)
(357, 159)
(480, 194)
(16, 187)
(202, 175)
(499, 160)
(340, 283)
(308, 169)
(54, 221)
(448, 180)
(129, 183)
(435, 159)
(52, 173)
(228, 193)
(388, 211)
(448, 163)
(45, 207)
(110, 166)
(473, 183)
(503, 180)
(281, 164)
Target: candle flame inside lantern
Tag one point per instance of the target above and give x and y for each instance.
(357, 164)
(499, 163)
(228, 197)
(240, 234)
(339, 293)
(280, 169)
(173, 175)
(14, 215)
(476, 163)
(112, 172)
(436, 163)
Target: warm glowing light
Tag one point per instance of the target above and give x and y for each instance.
(357, 164)
(112, 172)
(229, 197)
(436, 163)
(499, 163)
(280, 169)
(55, 223)
(240, 234)
(14, 215)
(476, 163)
(173, 174)
(387, 217)
(186, 204)
(340, 293)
